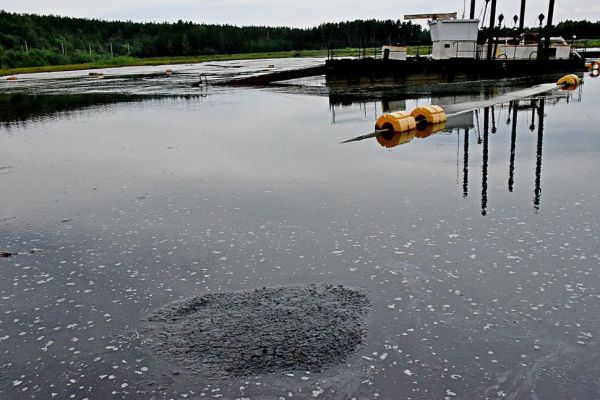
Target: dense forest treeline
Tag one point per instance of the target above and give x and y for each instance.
(36, 40)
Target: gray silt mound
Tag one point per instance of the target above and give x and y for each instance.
(262, 331)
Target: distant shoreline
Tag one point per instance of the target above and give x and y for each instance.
(127, 61)
(134, 61)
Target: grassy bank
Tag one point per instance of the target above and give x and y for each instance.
(126, 61)
(588, 43)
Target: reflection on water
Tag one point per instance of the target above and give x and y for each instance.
(392, 139)
(115, 210)
(465, 170)
(484, 168)
(461, 123)
(19, 108)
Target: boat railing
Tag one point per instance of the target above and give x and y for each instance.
(372, 49)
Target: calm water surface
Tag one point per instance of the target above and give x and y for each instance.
(478, 246)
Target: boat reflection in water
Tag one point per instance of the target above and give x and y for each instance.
(483, 123)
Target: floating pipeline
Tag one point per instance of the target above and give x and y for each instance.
(430, 119)
(391, 139)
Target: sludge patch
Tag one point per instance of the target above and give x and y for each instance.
(262, 331)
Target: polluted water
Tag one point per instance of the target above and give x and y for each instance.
(169, 241)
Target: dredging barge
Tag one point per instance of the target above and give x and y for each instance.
(456, 54)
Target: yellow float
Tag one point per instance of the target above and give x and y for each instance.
(399, 121)
(569, 82)
(430, 114)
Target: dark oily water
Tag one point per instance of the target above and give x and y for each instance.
(476, 246)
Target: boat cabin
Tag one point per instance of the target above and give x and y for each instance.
(453, 38)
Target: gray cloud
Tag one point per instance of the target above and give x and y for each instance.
(285, 12)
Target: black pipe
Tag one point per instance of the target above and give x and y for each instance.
(522, 17)
(548, 29)
(491, 32)
(472, 12)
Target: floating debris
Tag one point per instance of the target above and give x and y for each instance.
(267, 330)
(5, 254)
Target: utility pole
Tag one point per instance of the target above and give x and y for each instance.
(497, 38)
(522, 17)
(491, 32)
(540, 51)
(548, 30)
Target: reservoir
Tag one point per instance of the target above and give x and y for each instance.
(465, 261)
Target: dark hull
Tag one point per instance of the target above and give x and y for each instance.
(425, 71)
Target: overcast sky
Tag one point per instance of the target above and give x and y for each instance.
(304, 13)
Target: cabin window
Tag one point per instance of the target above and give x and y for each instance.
(447, 45)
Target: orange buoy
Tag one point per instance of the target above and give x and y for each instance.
(399, 121)
(430, 114)
(569, 82)
(430, 129)
(393, 139)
